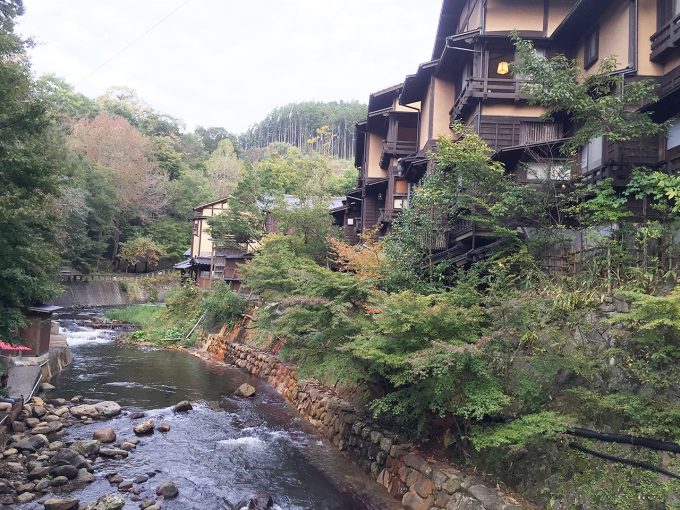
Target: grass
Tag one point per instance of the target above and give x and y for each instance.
(155, 325)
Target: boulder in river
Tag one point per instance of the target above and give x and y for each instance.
(105, 435)
(88, 448)
(167, 489)
(105, 409)
(163, 427)
(245, 390)
(144, 428)
(61, 503)
(262, 501)
(108, 502)
(183, 407)
(45, 387)
(66, 456)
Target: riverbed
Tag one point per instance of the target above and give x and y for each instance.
(219, 454)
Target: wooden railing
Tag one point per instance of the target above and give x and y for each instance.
(108, 277)
(666, 38)
(497, 88)
(396, 148)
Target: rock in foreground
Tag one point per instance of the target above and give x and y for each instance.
(61, 503)
(144, 428)
(167, 489)
(183, 407)
(108, 502)
(105, 435)
(245, 390)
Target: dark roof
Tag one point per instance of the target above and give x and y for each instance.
(214, 202)
(448, 18)
(183, 265)
(202, 261)
(415, 85)
(384, 98)
(583, 15)
(187, 253)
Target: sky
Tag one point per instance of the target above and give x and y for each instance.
(229, 62)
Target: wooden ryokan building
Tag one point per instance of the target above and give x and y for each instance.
(467, 79)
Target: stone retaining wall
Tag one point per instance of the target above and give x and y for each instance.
(420, 484)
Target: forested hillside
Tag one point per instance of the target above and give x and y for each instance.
(108, 183)
(327, 128)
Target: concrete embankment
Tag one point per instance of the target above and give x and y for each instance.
(122, 291)
(420, 483)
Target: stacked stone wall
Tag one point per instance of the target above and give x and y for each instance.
(405, 473)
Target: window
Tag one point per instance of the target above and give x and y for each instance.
(553, 170)
(591, 154)
(400, 203)
(591, 48)
(673, 140)
(350, 221)
(499, 64)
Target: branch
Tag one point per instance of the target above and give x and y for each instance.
(654, 444)
(620, 460)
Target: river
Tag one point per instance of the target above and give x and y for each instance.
(219, 454)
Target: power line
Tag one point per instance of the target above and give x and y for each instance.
(132, 43)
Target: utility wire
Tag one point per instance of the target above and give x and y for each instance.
(132, 43)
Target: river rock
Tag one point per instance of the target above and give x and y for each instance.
(47, 428)
(25, 497)
(39, 472)
(183, 407)
(9, 452)
(42, 485)
(88, 448)
(107, 409)
(167, 489)
(144, 427)
(66, 470)
(61, 503)
(127, 446)
(59, 481)
(84, 476)
(163, 427)
(66, 456)
(108, 502)
(245, 390)
(105, 435)
(45, 387)
(146, 503)
(84, 411)
(125, 485)
(137, 415)
(19, 426)
(113, 452)
(31, 422)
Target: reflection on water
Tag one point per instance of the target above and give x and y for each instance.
(222, 452)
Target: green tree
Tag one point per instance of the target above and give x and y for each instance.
(31, 161)
(141, 250)
(223, 168)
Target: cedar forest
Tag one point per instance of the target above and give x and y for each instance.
(505, 365)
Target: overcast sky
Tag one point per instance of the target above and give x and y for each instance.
(229, 62)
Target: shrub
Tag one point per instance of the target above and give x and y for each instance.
(223, 306)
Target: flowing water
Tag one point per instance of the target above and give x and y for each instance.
(223, 451)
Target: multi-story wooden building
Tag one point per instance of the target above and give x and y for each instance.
(468, 79)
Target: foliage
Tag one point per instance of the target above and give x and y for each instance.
(224, 168)
(31, 162)
(314, 126)
(518, 433)
(223, 306)
(141, 249)
(366, 260)
(598, 103)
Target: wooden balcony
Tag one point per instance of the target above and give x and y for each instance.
(398, 149)
(486, 88)
(666, 38)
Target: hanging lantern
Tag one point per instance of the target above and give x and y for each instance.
(503, 68)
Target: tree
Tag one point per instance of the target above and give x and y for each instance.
(67, 105)
(31, 161)
(212, 136)
(244, 220)
(189, 190)
(141, 249)
(167, 155)
(113, 143)
(223, 169)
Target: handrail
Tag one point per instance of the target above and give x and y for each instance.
(111, 276)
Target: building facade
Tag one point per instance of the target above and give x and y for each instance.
(468, 80)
